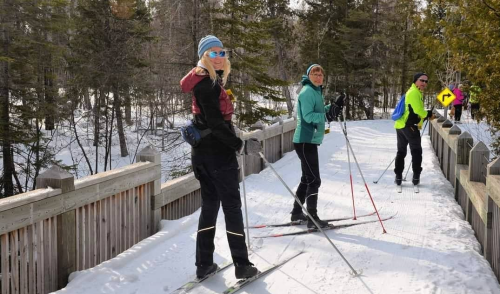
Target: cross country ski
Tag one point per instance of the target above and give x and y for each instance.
(300, 222)
(193, 283)
(242, 283)
(399, 188)
(308, 231)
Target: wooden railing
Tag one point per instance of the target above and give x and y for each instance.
(476, 181)
(66, 225)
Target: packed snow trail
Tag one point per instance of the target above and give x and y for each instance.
(428, 248)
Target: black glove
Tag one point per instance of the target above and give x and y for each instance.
(430, 115)
(252, 146)
(333, 112)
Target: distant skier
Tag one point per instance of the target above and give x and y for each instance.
(474, 102)
(458, 102)
(407, 129)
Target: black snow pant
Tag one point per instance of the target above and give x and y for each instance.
(218, 178)
(310, 180)
(474, 108)
(408, 135)
(458, 112)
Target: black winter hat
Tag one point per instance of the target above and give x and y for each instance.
(418, 75)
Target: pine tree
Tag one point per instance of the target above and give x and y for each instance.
(29, 59)
(473, 39)
(107, 55)
(280, 21)
(241, 26)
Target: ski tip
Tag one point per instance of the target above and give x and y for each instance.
(355, 273)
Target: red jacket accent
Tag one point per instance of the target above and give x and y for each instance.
(188, 83)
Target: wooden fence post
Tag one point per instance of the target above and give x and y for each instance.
(150, 154)
(447, 124)
(464, 143)
(492, 169)
(449, 157)
(455, 130)
(56, 177)
(282, 137)
(479, 157)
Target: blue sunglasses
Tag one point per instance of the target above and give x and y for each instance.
(214, 54)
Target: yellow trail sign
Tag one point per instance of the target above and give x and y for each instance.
(445, 97)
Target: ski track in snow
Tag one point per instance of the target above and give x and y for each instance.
(428, 247)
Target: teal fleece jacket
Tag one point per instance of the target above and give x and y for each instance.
(310, 114)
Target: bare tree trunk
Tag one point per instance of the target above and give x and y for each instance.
(110, 145)
(128, 109)
(49, 105)
(18, 182)
(283, 76)
(86, 99)
(78, 140)
(194, 30)
(404, 65)
(5, 139)
(347, 97)
(36, 164)
(97, 115)
(106, 147)
(371, 109)
(119, 123)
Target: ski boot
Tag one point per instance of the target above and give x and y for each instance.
(416, 179)
(245, 271)
(298, 216)
(204, 270)
(310, 223)
(398, 180)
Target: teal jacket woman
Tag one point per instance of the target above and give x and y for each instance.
(311, 111)
(308, 135)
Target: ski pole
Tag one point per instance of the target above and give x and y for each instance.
(354, 272)
(245, 195)
(350, 173)
(421, 135)
(384, 171)
(361, 174)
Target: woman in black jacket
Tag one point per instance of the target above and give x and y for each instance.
(214, 159)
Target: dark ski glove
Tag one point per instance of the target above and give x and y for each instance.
(332, 113)
(430, 115)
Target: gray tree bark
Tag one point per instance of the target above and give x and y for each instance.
(8, 185)
(119, 123)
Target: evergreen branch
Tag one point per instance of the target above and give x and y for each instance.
(497, 13)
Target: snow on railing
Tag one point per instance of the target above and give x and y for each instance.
(476, 180)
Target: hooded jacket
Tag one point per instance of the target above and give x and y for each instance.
(414, 109)
(459, 96)
(212, 109)
(310, 114)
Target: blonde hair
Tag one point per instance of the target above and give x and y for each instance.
(207, 64)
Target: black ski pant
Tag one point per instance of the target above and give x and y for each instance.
(474, 108)
(310, 180)
(408, 135)
(218, 178)
(458, 112)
